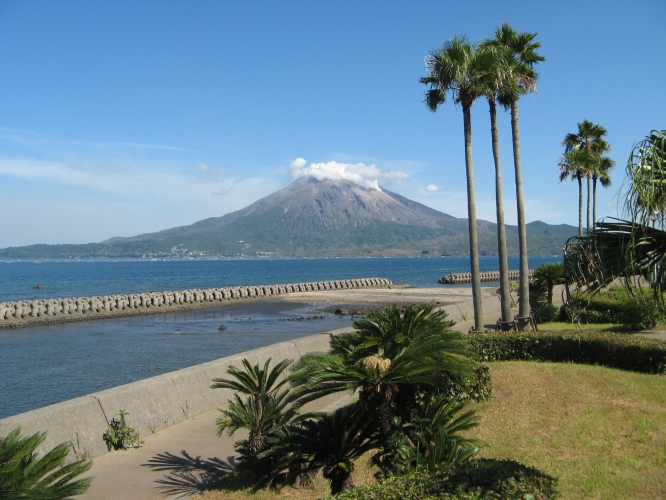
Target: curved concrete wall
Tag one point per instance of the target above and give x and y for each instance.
(153, 404)
(35, 312)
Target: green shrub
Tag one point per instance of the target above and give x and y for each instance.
(476, 479)
(544, 312)
(626, 352)
(477, 389)
(615, 306)
(119, 436)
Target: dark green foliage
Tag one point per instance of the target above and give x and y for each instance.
(544, 312)
(397, 362)
(547, 276)
(329, 443)
(25, 476)
(476, 388)
(119, 436)
(486, 479)
(638, 311)
(266, 409)
(626, 352)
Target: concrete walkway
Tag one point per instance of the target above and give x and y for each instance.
(177, 462)
(184, 459)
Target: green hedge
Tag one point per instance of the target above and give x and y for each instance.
(477, 479)
(626, 352)
(614, 306)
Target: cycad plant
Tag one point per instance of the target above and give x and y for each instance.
(330, 443)
(25, 476)
(395, 358)
(436, 433)
(266, 407)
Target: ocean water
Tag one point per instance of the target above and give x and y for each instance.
(88, 277)
(42, 365)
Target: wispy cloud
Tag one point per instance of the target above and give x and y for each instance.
(39, 141)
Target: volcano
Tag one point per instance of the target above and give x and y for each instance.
(313, 217)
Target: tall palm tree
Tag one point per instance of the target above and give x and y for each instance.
(625, 248)
(590, 138)
(576, 165)
(458, 68)
(524, 48)
(500, 76)
(601, 173)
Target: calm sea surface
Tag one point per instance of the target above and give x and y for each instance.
(43, 365)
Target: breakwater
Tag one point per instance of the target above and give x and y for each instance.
(45, 311)
(458, 278)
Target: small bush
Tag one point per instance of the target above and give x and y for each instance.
(615, 306)
(544, 312)
(477, 389)
(476, 479)
(119, 436)
(626, 352)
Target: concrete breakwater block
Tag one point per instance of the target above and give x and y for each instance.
(457, 278)
(45, 311)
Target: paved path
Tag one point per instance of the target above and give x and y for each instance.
(177, 462)
(183, 459)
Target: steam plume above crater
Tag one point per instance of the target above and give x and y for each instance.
(366, 176)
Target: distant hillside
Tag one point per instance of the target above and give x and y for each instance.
(316, 218)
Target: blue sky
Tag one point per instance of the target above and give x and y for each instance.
(119, 118)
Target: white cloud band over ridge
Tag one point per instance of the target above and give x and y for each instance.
(366, 176)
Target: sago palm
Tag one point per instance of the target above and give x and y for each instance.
(25, 476)
(524, 48)
(378, 379)
(389, 331)
(457, 68)
(330, 443)
(265, 407)
(550, 275)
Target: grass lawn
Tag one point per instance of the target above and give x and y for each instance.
(601, 431)
(557, 326)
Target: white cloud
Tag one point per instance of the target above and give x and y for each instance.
(432, 188)
(367, 176)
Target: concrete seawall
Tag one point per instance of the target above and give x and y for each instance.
(153, 404)
(41, 312)
(159, 402)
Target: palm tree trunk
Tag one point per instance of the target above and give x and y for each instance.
(471, 216)
(524, 290)
(580, 206)
(588, 204)
(505, 297)
(594, 200)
